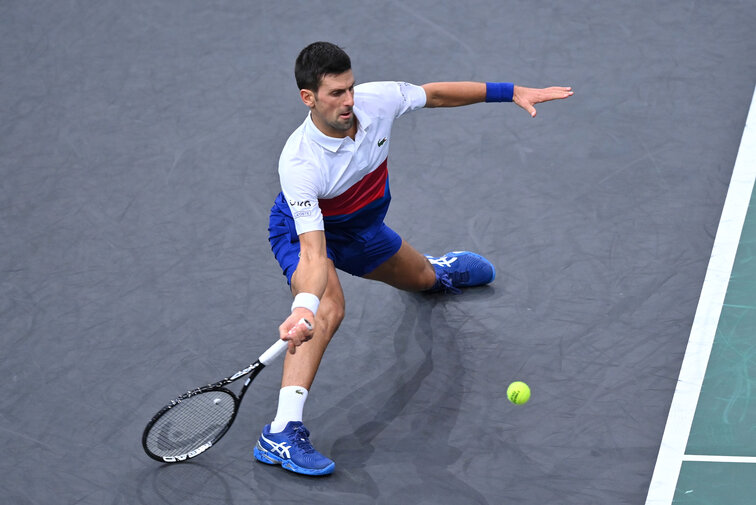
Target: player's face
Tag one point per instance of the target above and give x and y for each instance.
(331, 106)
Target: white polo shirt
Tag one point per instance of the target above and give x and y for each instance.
(336, 182)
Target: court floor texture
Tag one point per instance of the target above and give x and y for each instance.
(138, 152)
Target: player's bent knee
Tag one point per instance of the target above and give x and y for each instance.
(330, 315)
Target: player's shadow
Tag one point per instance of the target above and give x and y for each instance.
(415, 404)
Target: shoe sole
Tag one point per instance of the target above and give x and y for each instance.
(269, 458)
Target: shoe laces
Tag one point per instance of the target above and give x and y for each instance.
(301, 438)
(447, 281)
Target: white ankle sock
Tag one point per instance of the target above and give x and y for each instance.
(291, 400)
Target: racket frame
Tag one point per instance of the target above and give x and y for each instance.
(253, 369)
(250, 372)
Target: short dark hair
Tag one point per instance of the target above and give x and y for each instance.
(317, 60)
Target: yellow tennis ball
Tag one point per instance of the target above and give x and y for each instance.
(518, 393)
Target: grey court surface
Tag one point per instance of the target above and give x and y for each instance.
(138, 149)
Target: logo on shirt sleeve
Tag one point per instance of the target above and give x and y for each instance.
(300, 203)
(382, 141)
(403, 86)
(301, 208)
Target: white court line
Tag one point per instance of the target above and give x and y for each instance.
(680, 420)
(719, 459)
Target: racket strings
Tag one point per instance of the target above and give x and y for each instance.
(191, 424)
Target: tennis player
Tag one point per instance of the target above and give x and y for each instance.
(329, 215)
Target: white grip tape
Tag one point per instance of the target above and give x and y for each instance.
(280, 346)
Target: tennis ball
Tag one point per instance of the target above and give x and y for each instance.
(518, 393)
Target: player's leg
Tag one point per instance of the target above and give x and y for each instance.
(409, 270)
(286, 441)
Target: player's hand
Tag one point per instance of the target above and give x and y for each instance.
(294, 330)
(528, 97)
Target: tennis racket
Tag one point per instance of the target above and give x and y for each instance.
(198, 419)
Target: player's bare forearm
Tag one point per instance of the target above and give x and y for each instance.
(453, 94)
(310, 277)
(456, 94)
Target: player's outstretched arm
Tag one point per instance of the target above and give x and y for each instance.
(455, 94)
(308, 284)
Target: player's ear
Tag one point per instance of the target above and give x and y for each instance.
(308, 97)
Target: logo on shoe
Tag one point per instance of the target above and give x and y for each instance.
(281, 449)
(443, 261)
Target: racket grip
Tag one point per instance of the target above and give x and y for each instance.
(273, 351)
(280, 346)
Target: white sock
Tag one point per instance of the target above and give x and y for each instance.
(291, 400)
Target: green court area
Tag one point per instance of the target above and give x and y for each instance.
(724, 426)
(710, 483)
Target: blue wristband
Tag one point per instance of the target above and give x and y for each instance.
(499, 91)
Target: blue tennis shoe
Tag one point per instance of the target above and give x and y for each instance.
(292, 449)
(461, 269)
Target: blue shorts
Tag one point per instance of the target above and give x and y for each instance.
(352, 254)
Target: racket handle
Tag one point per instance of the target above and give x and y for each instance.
(280, 346)
(273, 351)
